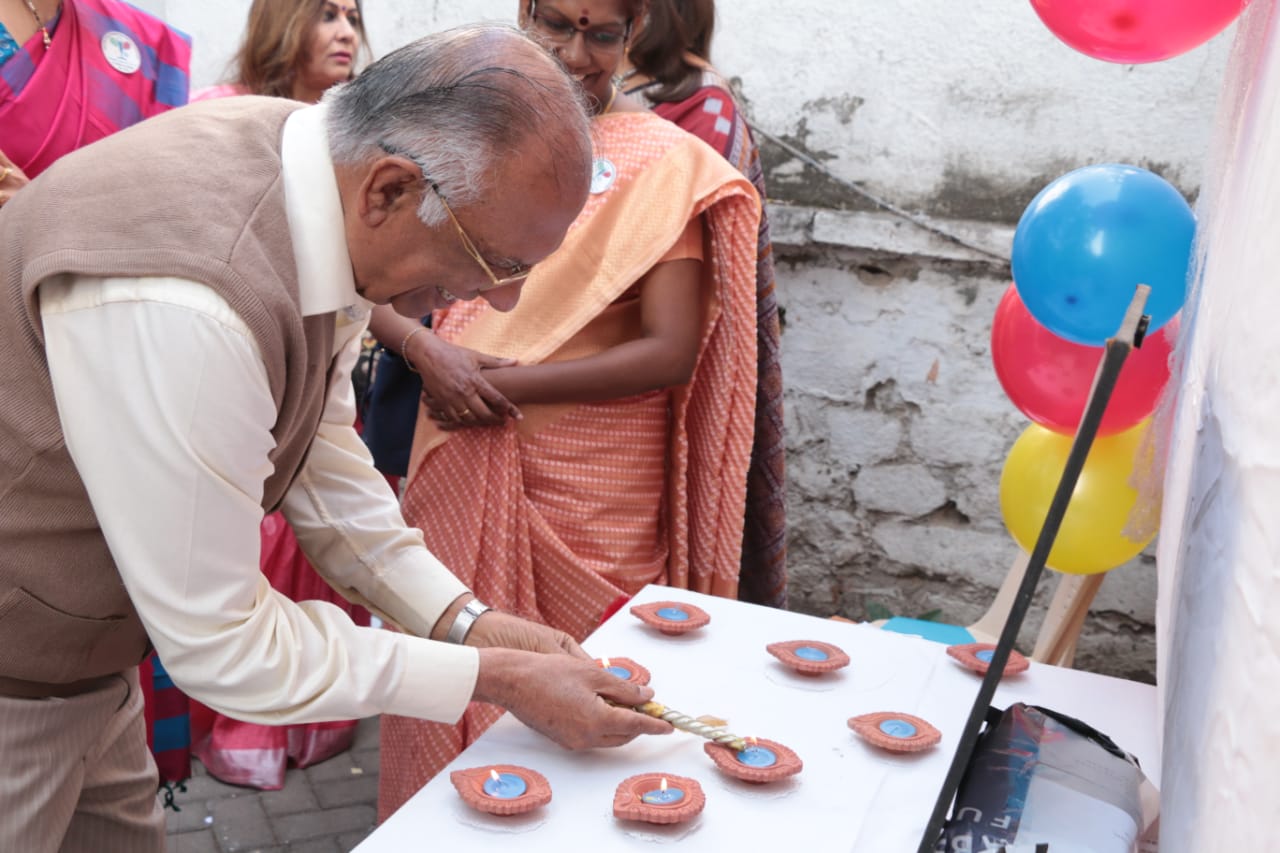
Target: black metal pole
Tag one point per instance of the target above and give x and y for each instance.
(1104, 382)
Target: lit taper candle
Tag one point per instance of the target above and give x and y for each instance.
(685, 723)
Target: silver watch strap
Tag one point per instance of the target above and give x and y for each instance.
(467, 617)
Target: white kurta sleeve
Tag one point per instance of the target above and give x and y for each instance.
(166, 410)
(349, 523)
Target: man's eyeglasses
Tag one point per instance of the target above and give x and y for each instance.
(603, 41)
(518, 274)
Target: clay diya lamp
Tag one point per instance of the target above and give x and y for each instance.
(671, 617)
(626, 669)
(895, 732)
(762, 760)
(977, 657)
(658, 798)
(809, 657)
(502, 789)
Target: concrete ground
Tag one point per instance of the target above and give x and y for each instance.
(327, 808)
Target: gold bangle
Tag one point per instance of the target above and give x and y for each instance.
(404, 346)
(8, 170)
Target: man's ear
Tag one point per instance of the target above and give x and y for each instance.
(391, 184)
(523, 16)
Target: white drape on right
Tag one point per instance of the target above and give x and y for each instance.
(1218, 611)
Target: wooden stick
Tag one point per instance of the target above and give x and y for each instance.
(1062, 623)
(987, 629)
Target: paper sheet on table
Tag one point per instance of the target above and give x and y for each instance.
(850, 796)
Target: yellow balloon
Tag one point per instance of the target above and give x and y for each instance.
(1091, 538)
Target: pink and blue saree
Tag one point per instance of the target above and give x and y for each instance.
(108, 66)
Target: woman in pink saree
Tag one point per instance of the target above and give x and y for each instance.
(74, 71)
(291, 49)
(71, 73)
(634, 349)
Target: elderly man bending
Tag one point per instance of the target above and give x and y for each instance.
(182, 305)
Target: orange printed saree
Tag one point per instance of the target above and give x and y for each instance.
(556, 517)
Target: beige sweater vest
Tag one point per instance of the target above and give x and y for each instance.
(195, 193)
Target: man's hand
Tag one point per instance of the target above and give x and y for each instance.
(455, 392)
(563, 697)
(494, 629)
(545, 678)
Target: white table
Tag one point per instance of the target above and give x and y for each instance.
(850, 795)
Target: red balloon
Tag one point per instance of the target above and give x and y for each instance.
(1132, 31)
(1048, 378)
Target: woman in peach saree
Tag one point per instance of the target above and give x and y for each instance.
(629, 464)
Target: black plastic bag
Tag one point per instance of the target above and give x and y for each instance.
(1043, 782)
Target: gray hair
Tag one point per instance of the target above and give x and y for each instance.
(457, 103)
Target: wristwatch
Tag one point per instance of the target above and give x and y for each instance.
(466, 618)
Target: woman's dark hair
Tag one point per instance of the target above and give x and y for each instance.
(674, 28)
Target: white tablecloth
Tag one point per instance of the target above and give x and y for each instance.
(850, 795)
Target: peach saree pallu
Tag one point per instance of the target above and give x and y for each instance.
(711, 114)
(556, 517)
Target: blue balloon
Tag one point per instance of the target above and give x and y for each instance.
(1093, 235)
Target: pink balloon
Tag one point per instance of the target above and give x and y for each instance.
(1133, 31)
(1048, 378)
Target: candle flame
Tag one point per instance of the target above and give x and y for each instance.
(604, 663)
(752, 741)
(493, 774)
(663, 786)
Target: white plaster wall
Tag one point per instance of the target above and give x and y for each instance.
(941, 106)
(216, 28)
(921, 99)
(897, 433)
(961, 111)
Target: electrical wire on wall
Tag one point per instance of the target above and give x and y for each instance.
(919, 220)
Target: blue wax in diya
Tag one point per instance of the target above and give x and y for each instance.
(507, 786)
(810, 653)
(986, 655)
(673, 614)
(662, 796)
(620, 671)
(758, 756)
(898, 728)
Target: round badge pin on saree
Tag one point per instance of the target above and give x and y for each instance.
(603, 174)
(121, 52)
